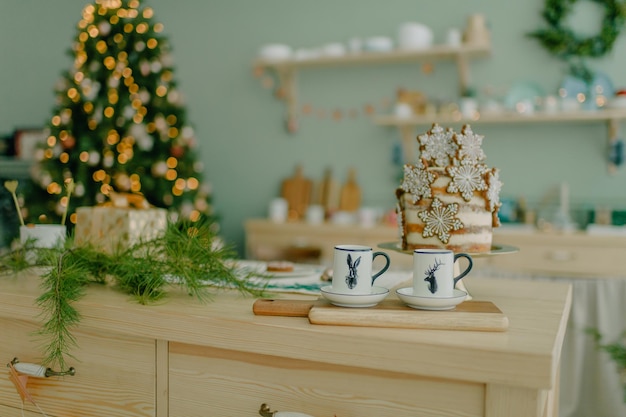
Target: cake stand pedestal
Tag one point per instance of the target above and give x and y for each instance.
(495, 250)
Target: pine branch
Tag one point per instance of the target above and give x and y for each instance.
(186, 256)
(15, 260)
(63, 284)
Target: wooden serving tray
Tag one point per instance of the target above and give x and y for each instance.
(469, 315)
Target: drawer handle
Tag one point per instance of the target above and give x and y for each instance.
(264, 411)
(32, 369)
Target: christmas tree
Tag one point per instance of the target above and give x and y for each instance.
(118, 122)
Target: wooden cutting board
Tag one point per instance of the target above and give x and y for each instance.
(328, 192)
(350, 198)
(469, 315)
(297, 191)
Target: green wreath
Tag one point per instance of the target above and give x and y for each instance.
(562, 42)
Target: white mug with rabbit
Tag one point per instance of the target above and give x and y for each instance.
(352, 269)
(434, 274)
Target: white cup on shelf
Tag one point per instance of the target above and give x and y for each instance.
(315, 214)
(278, 210)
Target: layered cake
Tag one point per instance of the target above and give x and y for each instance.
(450, 197)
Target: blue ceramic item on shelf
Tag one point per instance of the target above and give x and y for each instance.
(523, 93)
(601, 85)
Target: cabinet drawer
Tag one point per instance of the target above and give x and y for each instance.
(235, 384)
(114, 375)
(564, 260)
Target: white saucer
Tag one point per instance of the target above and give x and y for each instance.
(430, 303)
(354, 300)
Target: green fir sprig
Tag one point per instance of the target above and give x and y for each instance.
(63, 284)
(184, 256)
(616, 351)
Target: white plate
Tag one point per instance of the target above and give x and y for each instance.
(354, 300)
(496, 249)
(299, 270)
(430, 303)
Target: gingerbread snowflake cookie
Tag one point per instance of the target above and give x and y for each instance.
(417, 181)
(440, 219)
(438, 145)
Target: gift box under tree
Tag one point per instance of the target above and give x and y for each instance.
(111, 228)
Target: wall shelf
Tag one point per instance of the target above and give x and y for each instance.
(11, 168)
(407, 125)
(286, 70)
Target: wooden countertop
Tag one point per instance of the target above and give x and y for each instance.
(527, 354)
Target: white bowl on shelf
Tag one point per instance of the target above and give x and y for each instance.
(333, 49)
(275, 52)
(414, 36)
(303, 54)
(378, 44)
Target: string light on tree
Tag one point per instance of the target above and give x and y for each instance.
(119, 121)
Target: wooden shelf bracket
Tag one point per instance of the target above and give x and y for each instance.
(287, 92)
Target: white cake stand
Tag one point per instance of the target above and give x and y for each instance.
(496, 249)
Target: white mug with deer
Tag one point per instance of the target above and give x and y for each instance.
(352, 269)
(434, 272)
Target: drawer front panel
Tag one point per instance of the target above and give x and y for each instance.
(234, 384)
(114, 375)
(564, 260)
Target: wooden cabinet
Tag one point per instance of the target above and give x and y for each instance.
(266, 240)
(561, 254)
(183, 358)
(243, 381)
(567, 254)
(113, 366)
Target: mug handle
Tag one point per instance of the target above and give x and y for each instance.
(386, 267)
(469, 266)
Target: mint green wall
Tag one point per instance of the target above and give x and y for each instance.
(245, 147)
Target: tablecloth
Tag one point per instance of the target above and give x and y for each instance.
(590, 384)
